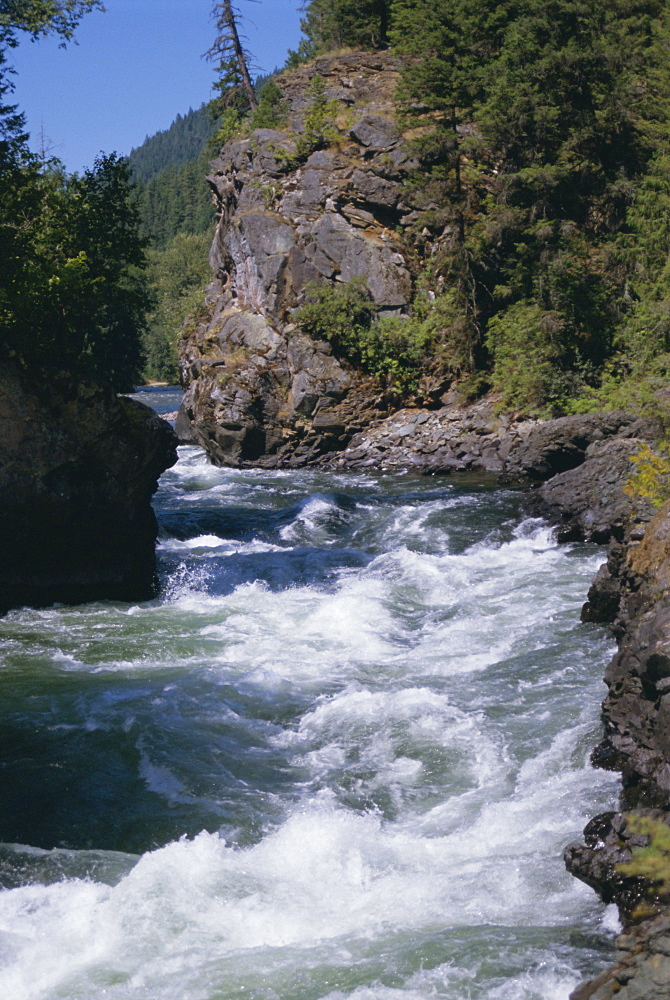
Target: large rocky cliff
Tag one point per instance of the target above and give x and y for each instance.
(257, 389)
(78, 467)
(260, 391)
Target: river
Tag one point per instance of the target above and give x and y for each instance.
(337, 759)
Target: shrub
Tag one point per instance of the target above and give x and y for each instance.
(651, 479)
(650, 863)
(393, 348)
(524, 356)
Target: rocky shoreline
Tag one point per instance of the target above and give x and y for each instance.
(632, 592)
(260, 392)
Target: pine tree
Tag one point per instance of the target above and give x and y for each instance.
(334, 24)
(232, 59)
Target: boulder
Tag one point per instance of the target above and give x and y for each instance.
(78, 467)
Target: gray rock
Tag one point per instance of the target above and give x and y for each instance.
(374, 189)
(375, 132)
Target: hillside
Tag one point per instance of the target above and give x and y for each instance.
(184, 140)
(176, 218)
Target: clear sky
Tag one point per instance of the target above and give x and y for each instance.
(135, 68)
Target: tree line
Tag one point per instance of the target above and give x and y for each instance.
(72, 291)
(544, 180)
(541, 198)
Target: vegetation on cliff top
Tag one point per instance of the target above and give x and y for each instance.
(544, 181)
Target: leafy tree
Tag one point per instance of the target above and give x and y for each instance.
(177, 278)
(42, 17)
(77, 297)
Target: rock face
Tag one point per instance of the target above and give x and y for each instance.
(642, 970)
(257, 390)
(78, 467)
(633, 592)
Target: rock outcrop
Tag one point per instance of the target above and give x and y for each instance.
(78, 467)
(633, 592)
(257, 390)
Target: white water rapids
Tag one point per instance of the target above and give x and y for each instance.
(337, 759)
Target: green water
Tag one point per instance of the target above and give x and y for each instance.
(339, 757)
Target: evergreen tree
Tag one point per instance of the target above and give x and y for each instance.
(334, 24)
(232, 59)
(183, 141)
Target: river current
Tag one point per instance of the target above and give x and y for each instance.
(337, 759)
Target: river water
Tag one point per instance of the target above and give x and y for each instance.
(339, 757)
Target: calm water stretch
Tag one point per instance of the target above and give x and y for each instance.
(339, 757)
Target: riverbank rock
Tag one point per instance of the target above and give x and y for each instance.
(78, 467)
(642, 969)
(258, 391)
(261, 392)
(633, 592)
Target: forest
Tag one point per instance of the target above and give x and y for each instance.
(73, 293)
(542, 137)
(541, 133)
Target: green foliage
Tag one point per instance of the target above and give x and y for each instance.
(319, 131)
(394, 348)
(43, 17)
(176, 200)
(177, 277)
(542, 134)
(73, 290)
(272, 108)
(339, 313)
(177, 217)
(185, 140)
(651, 862)
(305, 52)
(651, 479)
(335, 24)
(524, 356)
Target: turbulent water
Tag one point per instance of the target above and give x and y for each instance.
(339, 757)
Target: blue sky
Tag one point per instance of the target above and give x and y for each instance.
(135, 67)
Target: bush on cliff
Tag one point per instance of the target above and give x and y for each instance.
(397, 349)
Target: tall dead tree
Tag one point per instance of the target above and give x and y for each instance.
(232, 59)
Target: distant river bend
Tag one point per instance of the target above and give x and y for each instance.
(338, 758)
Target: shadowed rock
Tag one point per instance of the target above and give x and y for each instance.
(78, 467)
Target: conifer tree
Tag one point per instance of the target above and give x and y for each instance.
(333, 24)
(232, 59)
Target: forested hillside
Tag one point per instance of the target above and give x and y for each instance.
(542, 189)
(176, 218)
(184, 140)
